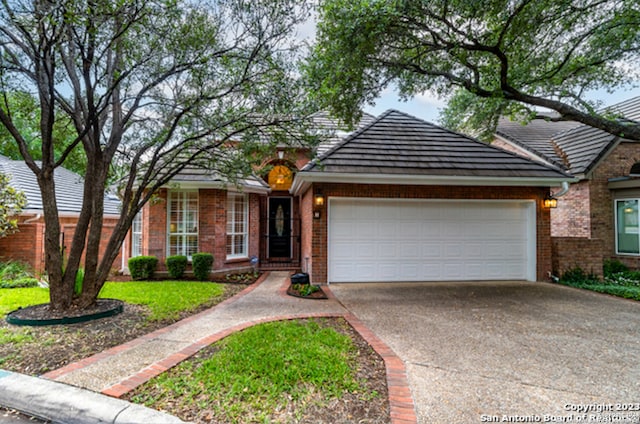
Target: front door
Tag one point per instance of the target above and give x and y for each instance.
(280, 227)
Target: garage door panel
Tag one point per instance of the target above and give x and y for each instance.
(408, 240)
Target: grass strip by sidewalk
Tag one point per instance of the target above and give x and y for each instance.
(249, 375)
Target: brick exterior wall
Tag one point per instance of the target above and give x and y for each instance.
(572, 252)
(306, 233)
(212, 228)
(587, 234)
(27, 245)
(583, 224)
(572, 217)
(319, 236)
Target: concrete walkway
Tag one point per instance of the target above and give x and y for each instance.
(119, 370)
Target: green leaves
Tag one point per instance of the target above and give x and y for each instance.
(12, 202)
(542, 53)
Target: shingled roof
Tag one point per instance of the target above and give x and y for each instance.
(580, 146)
(534, 137)
(336, 133)
(69, 188)
(202, 177)
(397, 144)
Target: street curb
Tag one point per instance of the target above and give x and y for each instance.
(61, 403)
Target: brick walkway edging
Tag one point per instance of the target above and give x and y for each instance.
(401, 404)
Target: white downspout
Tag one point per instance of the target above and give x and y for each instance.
(563, 190)
(35, 218)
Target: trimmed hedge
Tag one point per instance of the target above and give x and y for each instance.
(202, 264)
(142, 267)
(176, 265)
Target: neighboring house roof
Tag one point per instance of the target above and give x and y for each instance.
(534, 137)
(397, 147)
(572, 145)
(69, 188)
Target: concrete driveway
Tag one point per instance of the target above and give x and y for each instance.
(508, 351)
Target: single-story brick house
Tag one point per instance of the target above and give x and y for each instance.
(400, 199)
(27, 245)
(597, 218)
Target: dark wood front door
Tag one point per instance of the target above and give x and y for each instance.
(280, 227)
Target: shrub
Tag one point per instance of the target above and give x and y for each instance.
(613, 266)
(142, 267)
(202, 263)
(14, 270)
(578, 275)
(176, 265)
(19, 283)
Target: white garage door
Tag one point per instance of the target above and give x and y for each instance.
(430, 240)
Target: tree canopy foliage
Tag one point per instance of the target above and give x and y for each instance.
(153, 86)
(26, 117)
(495, 57)
(11, 203)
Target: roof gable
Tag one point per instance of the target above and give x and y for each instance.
(398, 143)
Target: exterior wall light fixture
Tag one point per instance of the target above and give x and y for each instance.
(550, 202)
(318, 203)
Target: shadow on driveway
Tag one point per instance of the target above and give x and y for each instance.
(486, 351)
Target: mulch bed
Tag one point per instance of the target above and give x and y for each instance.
(293, 290)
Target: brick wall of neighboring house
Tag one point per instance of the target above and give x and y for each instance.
(573, 252)
(572, 217)
(592, 204)
(212, 228)
(543, 242)
(27, 245)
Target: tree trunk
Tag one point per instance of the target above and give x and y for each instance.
(61, 296)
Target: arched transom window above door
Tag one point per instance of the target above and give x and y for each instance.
(280, 178)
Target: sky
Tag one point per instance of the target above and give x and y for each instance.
(427, 106)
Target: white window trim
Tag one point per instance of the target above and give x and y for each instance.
(183, 234)
(231, 197)
(136, 234)
(615, 215)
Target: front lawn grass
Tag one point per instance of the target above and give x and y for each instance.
(165, 299)
(249, 375)
(12, 299)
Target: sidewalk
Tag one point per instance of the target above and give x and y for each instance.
(118, 370)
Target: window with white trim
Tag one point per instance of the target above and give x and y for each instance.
(237, 225)
(182, 231)
(627, 234)
(136, 235)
